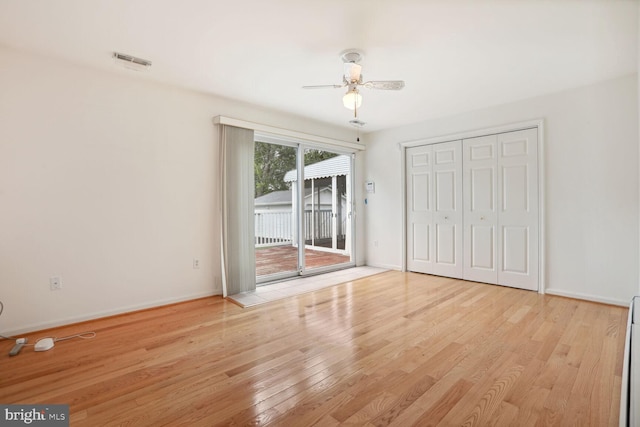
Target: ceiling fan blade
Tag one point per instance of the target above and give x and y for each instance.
(385, 84)
(352, 72)
(323, 87)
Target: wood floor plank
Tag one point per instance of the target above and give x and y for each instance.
(484, 397)
(394, 349)
(405, 395)
(505, 415)
(443, 406)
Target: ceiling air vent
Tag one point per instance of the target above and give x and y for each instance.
(131, 62)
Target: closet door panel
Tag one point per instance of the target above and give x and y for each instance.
(419, 209)
(420, 198)
(518, 213)
(447, 218)
(446, 191)
(482, 181)
(516, 191)
(420, 243)
(480, 209)
(482, 237)
(446, 245)
(515, 241)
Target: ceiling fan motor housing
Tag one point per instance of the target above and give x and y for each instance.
(351, 55)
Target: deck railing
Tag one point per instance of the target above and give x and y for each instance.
(276, 228)
(317, 225)
(273, 228)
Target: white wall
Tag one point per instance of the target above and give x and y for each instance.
(592, 201)
(107, 180)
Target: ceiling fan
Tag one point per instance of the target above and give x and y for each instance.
(352, 80)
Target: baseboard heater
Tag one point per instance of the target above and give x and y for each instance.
(630, 393)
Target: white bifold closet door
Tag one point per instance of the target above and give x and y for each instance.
(501, 209)
(434, 209)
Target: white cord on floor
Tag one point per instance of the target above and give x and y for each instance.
(83, 335)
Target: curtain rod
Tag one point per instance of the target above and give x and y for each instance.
(222, 120)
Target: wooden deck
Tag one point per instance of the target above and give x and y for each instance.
(278, 259)
(394, 349)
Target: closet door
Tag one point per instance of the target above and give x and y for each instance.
(419, 170)
(501, 209)
(447, 215)
(480, 209)
(518, 209)
(434, 209)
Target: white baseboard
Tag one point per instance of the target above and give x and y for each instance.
(385, 266)
(167, 301)
(121, 310)
(588, 297)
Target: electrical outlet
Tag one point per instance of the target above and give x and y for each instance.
(55, 283)
(196, 263)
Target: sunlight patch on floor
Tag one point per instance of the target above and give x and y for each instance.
(289, 288)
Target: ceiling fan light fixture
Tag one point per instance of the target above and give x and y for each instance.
(352, 99)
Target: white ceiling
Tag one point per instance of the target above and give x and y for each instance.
(454, 55)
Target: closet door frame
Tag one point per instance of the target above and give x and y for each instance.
(539, 125)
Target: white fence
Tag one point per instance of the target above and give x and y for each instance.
(277, 228)
(273, 228)
(318, 225)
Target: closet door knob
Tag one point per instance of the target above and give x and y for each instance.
(481, 218)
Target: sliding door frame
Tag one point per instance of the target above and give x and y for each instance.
(301, 146)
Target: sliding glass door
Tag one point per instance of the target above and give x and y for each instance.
(274, 206)
(301, 228)
(327, 208)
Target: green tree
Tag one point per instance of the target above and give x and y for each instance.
(315, 156)
(272, 162)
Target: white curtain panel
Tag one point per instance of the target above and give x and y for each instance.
(237, 224)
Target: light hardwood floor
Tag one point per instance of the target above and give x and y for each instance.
(392, 349)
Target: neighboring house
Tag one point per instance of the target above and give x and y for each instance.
(327, 197)
(280, 201)
(276, 201)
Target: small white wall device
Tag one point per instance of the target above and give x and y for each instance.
(370, 186)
